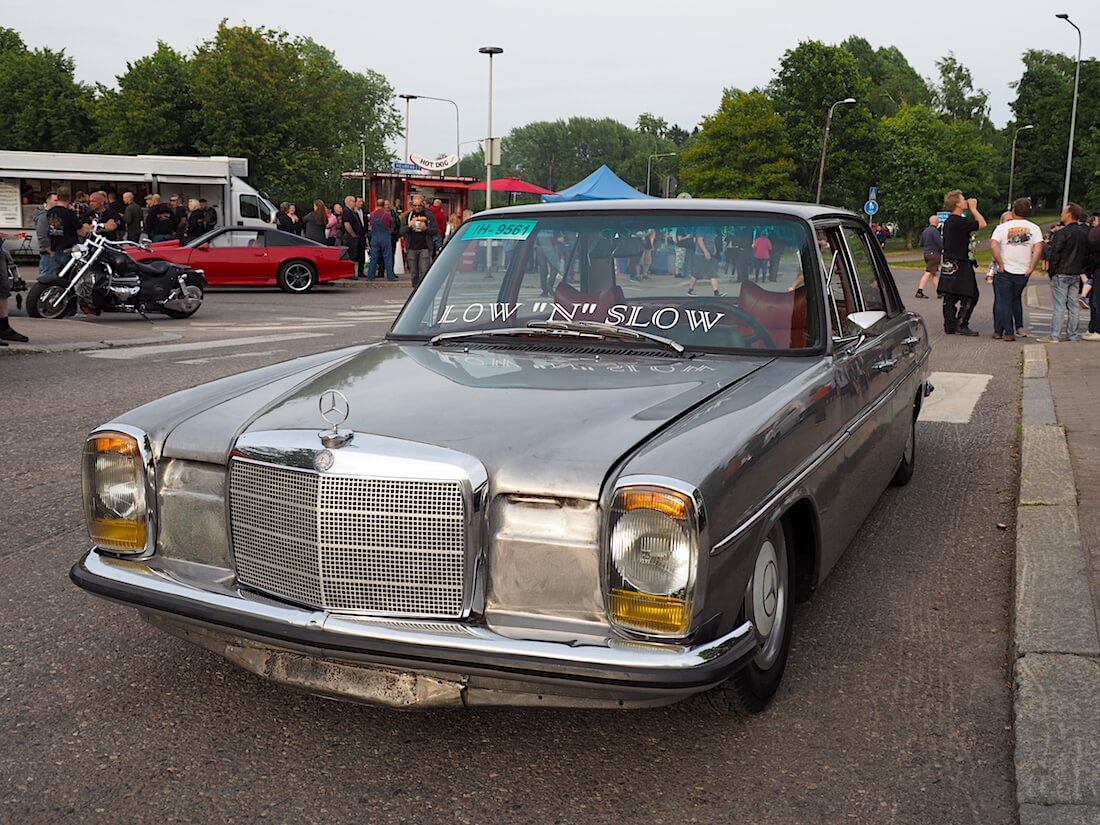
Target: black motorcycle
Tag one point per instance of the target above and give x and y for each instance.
(101, 277)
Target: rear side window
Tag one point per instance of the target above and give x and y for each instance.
(863, 264)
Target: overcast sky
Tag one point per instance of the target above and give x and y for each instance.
(572, 57)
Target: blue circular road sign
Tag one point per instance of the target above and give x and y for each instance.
(871, 207)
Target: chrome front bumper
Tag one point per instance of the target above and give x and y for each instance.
(480, 665)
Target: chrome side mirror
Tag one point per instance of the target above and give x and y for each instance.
(864, 321)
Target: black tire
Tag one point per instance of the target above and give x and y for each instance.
(752, 688)
(38, 302)
(297, 277)
(908, 456)
(192, 281)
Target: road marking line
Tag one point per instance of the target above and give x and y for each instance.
(192, 346)
(255, 354)
(956, 395)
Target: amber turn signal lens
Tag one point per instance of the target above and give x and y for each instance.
(115, 444)
(118, 534)
(657, 614)
(673, 505)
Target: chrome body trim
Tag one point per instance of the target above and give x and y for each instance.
(209, 597)
(375, 458)
(149, 467)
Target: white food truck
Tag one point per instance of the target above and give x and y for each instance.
(26, 178)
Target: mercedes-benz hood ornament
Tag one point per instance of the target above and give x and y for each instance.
(335, 409)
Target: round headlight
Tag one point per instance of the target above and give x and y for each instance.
(652, 552)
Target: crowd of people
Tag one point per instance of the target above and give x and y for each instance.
(1069, 254)
(374, 235)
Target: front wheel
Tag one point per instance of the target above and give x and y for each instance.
(297, 277)
(44, 301)
(768, 602)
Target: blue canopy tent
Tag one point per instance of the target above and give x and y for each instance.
(601, 185)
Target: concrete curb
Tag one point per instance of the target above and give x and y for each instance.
(81, 346)
(363, 283)
(1056, 671)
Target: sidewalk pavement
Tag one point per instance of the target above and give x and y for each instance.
(78, 333)
(1057, 604)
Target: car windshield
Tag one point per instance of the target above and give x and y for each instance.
(704, 280)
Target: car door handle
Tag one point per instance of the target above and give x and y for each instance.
(885, 365)
(911, 342)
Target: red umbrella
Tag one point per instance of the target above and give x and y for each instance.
(513, 185)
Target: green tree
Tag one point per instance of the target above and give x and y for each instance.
(151, 111)
(287, 105)
(742, 152)
(956, 96)
(42, 107)
(1044, 95)
(926, 157)
(810, 79)
(894, 83)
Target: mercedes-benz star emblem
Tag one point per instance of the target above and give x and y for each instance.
(334, 409)
(322, 461)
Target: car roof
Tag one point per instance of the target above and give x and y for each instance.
(805, 211)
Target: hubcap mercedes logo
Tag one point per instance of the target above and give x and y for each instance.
(334, 407)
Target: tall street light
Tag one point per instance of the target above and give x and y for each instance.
(1012, 164)
(406, 98)
(458, 146)
(825, 144)
(649, 165)
(1073, 115)
(491, 51)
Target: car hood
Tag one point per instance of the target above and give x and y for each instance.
(548, 423)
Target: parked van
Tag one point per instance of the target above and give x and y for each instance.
(26, 178)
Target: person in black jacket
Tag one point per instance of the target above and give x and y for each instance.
(179, 214)
(1069, 258)
(957, 283)
(1094, 275)
(355, 234)
(196, 221)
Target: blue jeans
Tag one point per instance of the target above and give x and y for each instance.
(1063, 293)
(1008, 304)
(48, 264)
(381, 250)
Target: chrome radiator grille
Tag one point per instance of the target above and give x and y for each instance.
(347, 543)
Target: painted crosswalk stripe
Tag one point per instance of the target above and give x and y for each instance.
(956, 395)
(193, 346)
(253, 354)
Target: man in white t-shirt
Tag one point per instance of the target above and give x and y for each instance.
(1017, 247)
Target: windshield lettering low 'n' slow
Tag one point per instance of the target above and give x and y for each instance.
(704, 280)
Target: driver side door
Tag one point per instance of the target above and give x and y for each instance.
(236, 256)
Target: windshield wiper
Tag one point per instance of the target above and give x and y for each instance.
(563, 329)
(605, 330)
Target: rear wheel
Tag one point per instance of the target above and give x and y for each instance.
(908, 456)
(768, 602)
(193, 295)
(297, 277)
(44, 301)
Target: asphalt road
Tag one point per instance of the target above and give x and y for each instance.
(895, 707)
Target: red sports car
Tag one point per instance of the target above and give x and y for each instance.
(248, 256)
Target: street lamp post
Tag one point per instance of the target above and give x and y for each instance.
(825, 144)
(363, 166)
(1012, 164)
(491, 51)
(458, 146)
(1073, 113)
(649, 165)
(406, 98)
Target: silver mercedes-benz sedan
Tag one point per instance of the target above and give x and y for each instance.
(601, 453)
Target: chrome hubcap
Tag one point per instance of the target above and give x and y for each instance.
(50, 303)
(767, 598)
(298, 277)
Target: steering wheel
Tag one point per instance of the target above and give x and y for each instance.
(759, 331)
